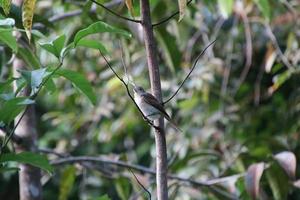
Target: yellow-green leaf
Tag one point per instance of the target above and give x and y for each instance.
(182, 8)
(130, 7)
(6, 4)
(27, 15)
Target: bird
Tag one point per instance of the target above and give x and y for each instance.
(150, 106)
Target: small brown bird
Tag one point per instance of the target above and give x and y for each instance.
(150, 106)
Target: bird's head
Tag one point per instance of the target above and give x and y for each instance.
(138, 90)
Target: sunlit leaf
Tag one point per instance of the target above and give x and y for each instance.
(182, 8)
(287, 160)
(66, 182)
(252, 179)
(30, 158)
(225, 7)
(130, 7)
(27, 16)
(80, 82)
(6, 4)
(7, 38)
(98, 27)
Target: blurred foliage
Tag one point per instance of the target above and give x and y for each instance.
(240, 106)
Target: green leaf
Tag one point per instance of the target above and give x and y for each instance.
(225, 7)
(30, 158)
(5, 84)
(98, 27)
(29, 58)
(55, 47)
(12, 108)
(66, 182)
(92, 44)
(80, 82)
(34, 78)
(264, 7)
(6, 4)
(7, 22)
(7, 37)
(170, 49)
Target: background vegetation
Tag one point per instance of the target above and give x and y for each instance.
(240, 106)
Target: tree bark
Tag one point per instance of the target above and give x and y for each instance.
(153, 68)
(29, 177)
(30, 187)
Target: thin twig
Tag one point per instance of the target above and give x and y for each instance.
(114, 13)
(188, 75)
(170, 17)
(128, 92)
(137, 180)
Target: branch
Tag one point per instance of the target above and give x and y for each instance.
(188, 75)
(170, 17)
(208, 183)
(114, 13)
(128, 92)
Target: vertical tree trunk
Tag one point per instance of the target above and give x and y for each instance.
(29, 177)
(160, 139)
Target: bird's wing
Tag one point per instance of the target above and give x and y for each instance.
(150, 99)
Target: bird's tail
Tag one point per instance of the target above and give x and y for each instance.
(173, 124)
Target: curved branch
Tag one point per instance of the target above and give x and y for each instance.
(128, 92)
(137, 180)
(170, 17)
(188, 75)
(114, 13)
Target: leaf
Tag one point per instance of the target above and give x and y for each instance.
(264, 7)
(5, 84)
(66, 182)
(287, 160)
(80, 82)
(252, 179)
(55, 47)
(29, 58)
(92, 44)
(12, 108)
(130, 7)
(6, 4)
(98, 27)
(34, 78)
(182, 9)
(30, 158)
(225, 7)
(27, 16)
(7, 22)
(7, 37)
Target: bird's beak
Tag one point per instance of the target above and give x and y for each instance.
(134, 90)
